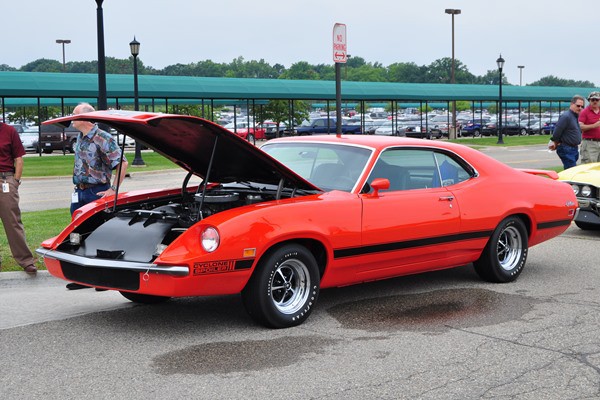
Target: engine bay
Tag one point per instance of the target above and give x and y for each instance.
(140, 231)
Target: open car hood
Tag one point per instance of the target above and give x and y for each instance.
(190, 142)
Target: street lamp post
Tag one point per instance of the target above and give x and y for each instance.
(63, 42)
(500, 62)
(102, 101)
(134, 46)
(520, 74)
(452, 133)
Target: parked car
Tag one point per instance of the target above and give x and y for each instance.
(508, 128)
(585, 181)
(548, 127)
(58, 138)
(280, 223)
(271, 130)
(439, 124)
(389, 128)
(325, 125)
(19, 127)
(414, 129)
(246, 131)
(30, 138)
(474, 127)
(370, 125)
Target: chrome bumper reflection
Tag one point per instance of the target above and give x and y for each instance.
(176, 270)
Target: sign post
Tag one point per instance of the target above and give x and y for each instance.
(340, 56)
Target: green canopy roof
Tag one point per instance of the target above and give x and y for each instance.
(69, 85)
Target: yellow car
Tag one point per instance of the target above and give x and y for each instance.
(585, 181)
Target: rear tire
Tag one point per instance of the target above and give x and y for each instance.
(284, 287)
(504, 256)
(144, 298)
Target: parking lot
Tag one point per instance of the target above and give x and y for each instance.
(442, 334)
(437, 335)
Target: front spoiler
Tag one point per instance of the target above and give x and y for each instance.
(174, 270)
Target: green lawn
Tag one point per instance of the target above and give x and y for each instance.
(63, 165)
(508, 140)
(39, 226)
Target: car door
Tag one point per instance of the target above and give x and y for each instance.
(415, 225)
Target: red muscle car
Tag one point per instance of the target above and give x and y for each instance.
(280, 223)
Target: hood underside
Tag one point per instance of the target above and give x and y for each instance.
(190, 143)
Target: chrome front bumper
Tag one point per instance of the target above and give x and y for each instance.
(175, 270)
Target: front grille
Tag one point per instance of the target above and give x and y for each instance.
(95, 276)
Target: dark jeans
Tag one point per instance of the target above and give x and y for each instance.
(568, 155)
(88, 195)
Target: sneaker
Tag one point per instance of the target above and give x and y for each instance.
(30, 269)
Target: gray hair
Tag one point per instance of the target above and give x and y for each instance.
(85, 107)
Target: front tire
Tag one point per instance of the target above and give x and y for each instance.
(505, 254)
(284, 287)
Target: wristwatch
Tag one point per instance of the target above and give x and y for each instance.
(114, 188)
(18, 181)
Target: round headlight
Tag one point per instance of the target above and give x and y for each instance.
(575, 189)
(210, 239)
(586, 191)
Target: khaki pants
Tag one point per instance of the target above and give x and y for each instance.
(11, 219)
(590, 151)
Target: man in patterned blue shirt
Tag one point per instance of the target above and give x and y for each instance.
(97, 155)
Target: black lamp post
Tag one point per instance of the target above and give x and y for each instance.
(63, 42)
(500, 62)
(134, 45)
(102, 101)
(452, 135)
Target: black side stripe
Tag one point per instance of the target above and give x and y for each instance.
(381, 248)
(553, 224)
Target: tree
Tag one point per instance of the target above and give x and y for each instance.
(43, 65)
(300, 70)
(554, 81)
(405, 72)
(440, 71)
(280, 111)
(4, 67)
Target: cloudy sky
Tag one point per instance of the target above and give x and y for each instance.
(548, 37)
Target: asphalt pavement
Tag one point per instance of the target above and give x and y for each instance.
(438, 335)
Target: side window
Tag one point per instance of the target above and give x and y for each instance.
(450, 171)
(406, 169)
(409, 169)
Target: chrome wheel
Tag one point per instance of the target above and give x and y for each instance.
(505, 253)
(283, 288)
(290, 285)
(509, 248)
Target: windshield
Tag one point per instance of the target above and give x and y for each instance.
(327, 166)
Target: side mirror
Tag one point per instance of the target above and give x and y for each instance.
(379, 184)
